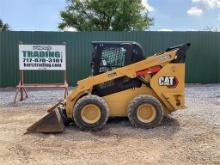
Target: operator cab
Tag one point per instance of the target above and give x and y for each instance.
(109, 55)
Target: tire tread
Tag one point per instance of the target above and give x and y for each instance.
(87, 99)
(136, 102)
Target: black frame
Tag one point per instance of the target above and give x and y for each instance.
(134, 53)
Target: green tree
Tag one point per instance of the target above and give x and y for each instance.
(105, 15)
(4, 26)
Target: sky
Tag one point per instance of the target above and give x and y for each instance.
(169, 15)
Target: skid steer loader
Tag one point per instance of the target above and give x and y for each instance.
(123, 83)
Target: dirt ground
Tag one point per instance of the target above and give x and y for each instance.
(190, 136)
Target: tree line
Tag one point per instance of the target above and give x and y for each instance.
(102, 15)
(4, 26)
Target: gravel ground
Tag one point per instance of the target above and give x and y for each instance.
(190, 136)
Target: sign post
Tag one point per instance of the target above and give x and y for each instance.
(41, 57)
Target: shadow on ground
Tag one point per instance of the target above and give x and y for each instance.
(118, 128)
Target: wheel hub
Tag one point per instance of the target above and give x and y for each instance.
(90, 113)
(146, 113)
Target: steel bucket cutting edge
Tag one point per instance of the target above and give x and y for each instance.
(51, 123)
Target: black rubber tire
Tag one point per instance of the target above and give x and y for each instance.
(91, 99)
(136, 102)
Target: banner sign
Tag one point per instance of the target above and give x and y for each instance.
(42, 57)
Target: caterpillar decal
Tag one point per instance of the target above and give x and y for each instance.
(167, 81)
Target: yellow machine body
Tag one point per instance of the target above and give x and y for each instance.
(171, 97)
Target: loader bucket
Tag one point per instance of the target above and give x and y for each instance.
(51, 123)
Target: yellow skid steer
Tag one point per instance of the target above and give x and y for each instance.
(123, 83)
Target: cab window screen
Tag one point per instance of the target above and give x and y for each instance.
(112, 58)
